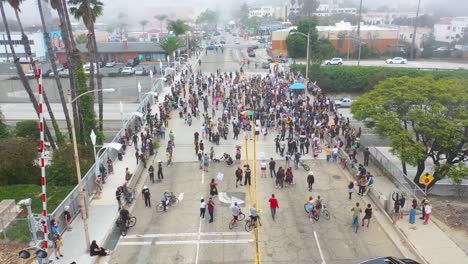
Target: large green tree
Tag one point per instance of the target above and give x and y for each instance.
(309, 7)
(18, 157)
(243, 14)
(208, 18)
(297, 45)
(424, 118)
(28, 129)
(3, 127)
(170, 45)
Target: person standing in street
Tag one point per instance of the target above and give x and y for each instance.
(350, 189)
(151, 173)
(414, 205)
(146, 196)
(239, 173)
(68, 217)
(247, 176)
(202, 208)
(118, 197)
(272, 166)
(310, 180)
(160, 170)
(206, 162)
(423, 203)
(367, 215)
(427, 211)
(366, 157)
(211, 206)
(273, 206)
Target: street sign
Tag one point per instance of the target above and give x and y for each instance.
(426, 178)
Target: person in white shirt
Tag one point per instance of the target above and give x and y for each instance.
(202, 208)
(427, 211)
(335, 153)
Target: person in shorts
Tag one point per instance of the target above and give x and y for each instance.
(367, 215)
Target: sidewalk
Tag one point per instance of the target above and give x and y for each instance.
(429, 242)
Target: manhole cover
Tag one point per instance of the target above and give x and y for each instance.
(336, 177)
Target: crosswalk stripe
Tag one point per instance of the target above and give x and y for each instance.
(181, 242)
(187, 234)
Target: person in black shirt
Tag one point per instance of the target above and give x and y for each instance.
(95, 250)
(146, 196)
(124, 214)
(272, 166)
(247, 175)
(160, 172)
(367, 215)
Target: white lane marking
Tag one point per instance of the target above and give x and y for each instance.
(188, 234)
(203, 176)
(181, 197)
(182, 242)
(198, 243)
(319, 248)
(224, 198)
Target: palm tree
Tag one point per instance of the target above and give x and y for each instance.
(177, 26)
(88, 11)
(161, 19)
(143, 23)
(53, 63)
(22, 76)
(170, 45)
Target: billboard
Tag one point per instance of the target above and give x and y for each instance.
(57, 41)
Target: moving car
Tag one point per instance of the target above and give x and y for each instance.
(334, 61)
(128, 70)
(265, 65)
(251, 53)
(58, 70)
(237, 41)
(210, 47)
(344, 102)
(110, 64)
(279, 58)
(396, 60)
(30, 74)
(389, 260)
(63, 73)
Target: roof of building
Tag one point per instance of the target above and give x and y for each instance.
(118, 47)
(445, 21)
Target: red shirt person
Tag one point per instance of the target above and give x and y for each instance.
(273, 205)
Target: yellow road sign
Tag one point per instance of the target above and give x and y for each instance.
(426, 178)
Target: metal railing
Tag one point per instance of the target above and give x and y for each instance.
(89, 186)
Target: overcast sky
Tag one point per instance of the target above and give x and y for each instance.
(137, 10)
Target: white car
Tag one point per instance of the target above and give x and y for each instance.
(334, 61)
(140, 71)
(58, 70)
(128, 70)
(30, 74)
(110, 64)
(396, 60)
(344, 102)
(236, 41)
(64, 73)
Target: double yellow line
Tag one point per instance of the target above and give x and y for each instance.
(254, 196)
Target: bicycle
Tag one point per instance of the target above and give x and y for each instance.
(172, 201)
(130, 196)
(233, 222)
(355, 223)
(325, 212)
(131, 222)
(249, 224)
(304, 165)
(315, 215)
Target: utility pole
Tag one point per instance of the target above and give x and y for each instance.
(414, 31)
(359, 33)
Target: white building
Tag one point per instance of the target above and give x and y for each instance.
(450, 29)
(267, 11)
(36, 41)
(328, 10)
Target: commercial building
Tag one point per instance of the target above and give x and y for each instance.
(36, 41)
(121, 52)
(450, 29)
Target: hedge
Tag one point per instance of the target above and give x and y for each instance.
(359, 79)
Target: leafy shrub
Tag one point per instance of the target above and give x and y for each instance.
(28, 129)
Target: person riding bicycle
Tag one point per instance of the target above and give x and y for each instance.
(254, 216)
(310, 205)
(356, 213)
(124, 215)
(164, 200)
(235, 213)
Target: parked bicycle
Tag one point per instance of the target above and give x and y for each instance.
(171, 201)
(233, 222)
(123, 227)
(304, 165)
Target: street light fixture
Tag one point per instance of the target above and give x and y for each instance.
(77, 162)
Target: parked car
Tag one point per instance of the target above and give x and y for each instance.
(397, 60)
(110, 64)
(140, 71)
(254, 47)
(64, 73)
(30, 74)
(265, 65)
(58, 70)
(251, 53)
(132, 62)
(278, 58)
(128, 70)
(334, 61)
(210, 47)
(389, 260)
(344, 102)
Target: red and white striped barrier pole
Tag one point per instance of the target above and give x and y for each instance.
(41, 150)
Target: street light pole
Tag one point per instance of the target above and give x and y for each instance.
(84, 213)
(96, 161)
(414, 32)
(359, 33)
(308, 56)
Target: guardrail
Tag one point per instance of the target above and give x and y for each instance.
(88, 181)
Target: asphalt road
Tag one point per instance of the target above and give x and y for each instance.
(180, 236)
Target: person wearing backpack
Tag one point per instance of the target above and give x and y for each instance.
(310, 180)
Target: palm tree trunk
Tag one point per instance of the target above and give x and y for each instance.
(27, 49)
(23, 78)
(74, 55)
(53, 63)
